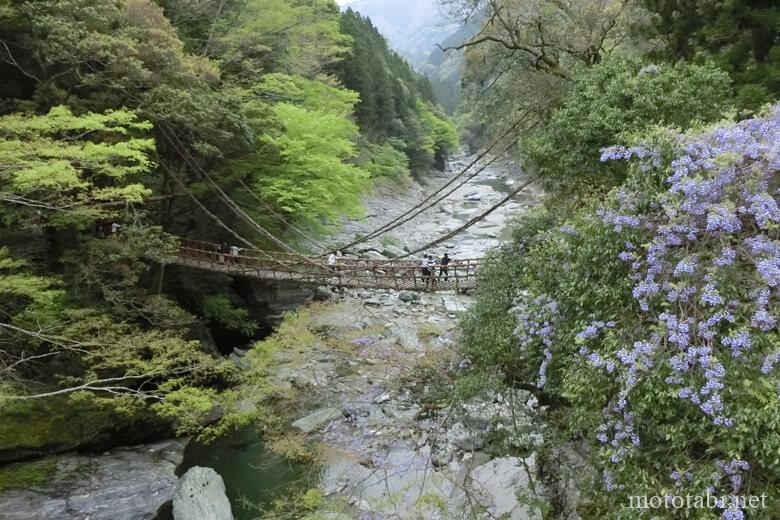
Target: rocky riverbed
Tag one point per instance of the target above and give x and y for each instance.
(397, 447)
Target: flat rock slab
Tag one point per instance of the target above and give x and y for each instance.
(200, 494)
(128, 483)
(504, 486)
(317, 419)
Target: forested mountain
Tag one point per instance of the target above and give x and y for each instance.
(444, 67)
(396, 105)
(217, 120)
(412, 27)
(415, 29)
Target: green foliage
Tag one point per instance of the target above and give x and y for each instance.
(312, 499)
(309, 178)
(49, 424)
(65, 164)
(386, 160)
(488, 326)
(280, 36)
(438, 139)
(219, 309)
(105, 53)
(740, 36)
(396, 103)
(569, 255)
(612, 100)
(27, 474)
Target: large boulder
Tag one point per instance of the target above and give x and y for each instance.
(128, 483)
(270, 300)
(373, 255)
(200, 494)
(507, 487)
(392, 251)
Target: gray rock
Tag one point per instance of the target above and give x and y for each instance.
(373, 255)
(200, 494)
(466, 439)
(408, 296)
(452, 306)
(317, 419)
(271, 300)
(322, 294)
(391, 251)
(364, 248)
(498, 483)
(128, 483)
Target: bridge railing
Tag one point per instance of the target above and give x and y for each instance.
(349, 272)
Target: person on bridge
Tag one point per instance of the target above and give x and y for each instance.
(222, 249)
(234, 252)
(432, 270)
(333, 260)
(426, 270)
(444, 267)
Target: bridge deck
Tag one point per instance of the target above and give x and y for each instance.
(353, 273)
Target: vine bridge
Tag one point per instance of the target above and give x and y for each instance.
(312, 270)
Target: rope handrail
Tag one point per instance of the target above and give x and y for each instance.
(458, 275)
(270, 256)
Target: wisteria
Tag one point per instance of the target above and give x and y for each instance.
(717, 218)
(536, 317)
(696, 230)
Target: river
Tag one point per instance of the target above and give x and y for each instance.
(378, 410)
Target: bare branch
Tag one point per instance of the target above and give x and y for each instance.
(12, 61)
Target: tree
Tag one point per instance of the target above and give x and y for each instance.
(525, 51)
(59, 168)
(741, 37)
(609, 102)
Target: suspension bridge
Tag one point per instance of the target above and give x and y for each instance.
(348, 272)
(291, 266)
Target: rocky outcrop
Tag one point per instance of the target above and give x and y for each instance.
(200, 494)
(270, 300)
(128, 483)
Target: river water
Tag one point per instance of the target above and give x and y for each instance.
(253, 475)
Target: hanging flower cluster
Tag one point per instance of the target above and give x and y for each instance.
(536, 317)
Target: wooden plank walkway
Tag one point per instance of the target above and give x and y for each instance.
(353, 273)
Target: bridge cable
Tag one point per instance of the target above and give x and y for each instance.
(241, 213)
(278, 215)
(417, 209)
(235, 207)
(251, 246)
(467, 225)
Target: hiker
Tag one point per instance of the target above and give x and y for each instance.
(222, 249)
(444, 269)
(426, 271)
(333, 265)
(234, 252)
(115, 227)
(333, 261)
(432, 270)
